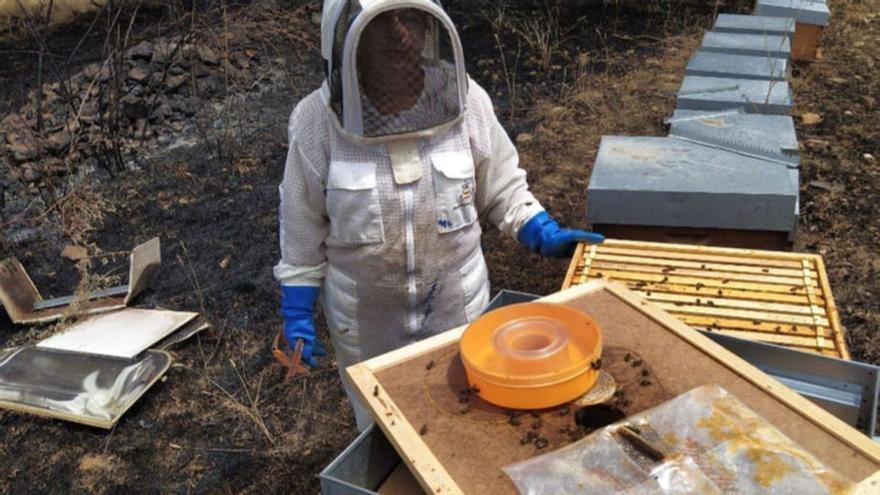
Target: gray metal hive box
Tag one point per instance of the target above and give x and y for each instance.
(761, 45)
(771, 137)
(807, 12)
(737, 66)
(719, 93)
(664, 181)
(754, 24)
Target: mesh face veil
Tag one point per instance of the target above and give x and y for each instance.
(394, 68)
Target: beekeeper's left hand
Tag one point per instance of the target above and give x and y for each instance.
(543, 235)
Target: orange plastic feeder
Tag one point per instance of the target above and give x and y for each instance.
(531, 355)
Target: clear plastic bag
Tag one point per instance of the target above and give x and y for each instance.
(705, 441)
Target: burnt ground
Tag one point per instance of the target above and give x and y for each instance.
(224, 420)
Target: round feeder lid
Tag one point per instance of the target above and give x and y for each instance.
(546, 350)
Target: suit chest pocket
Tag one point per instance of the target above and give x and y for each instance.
(455, 189)
(353, 203)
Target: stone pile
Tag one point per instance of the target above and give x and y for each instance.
(144, 96)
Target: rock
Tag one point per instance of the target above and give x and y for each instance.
(92, 70)
(816, 144)
(21, 147)
(821, 184)
(176, 70)
(837, 80)
(164, 140)
(133, 107)
(208, 55)
(141, 51)
(199, 70)
(316, 18)
(183, 106)
(138, 73)
(241, 60)
(868, 157)
(58, 142)
(30, 174)
(811, 118)
(155, 79)
(161, 112)
(162, 51)
(211, 85)
(583, 59)
(173, 83)
(74, 253)
(89, 112)
(523, 138)
(140, 129)
(183, 59)
(224, 263)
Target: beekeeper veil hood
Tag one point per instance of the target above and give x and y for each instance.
(394, 69)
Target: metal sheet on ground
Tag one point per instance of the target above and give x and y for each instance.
(91, 390)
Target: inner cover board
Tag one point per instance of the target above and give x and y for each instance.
(451, 451)
(122, 334)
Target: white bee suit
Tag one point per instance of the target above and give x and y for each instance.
(390, 228)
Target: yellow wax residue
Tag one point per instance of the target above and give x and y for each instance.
(765, 446)
(671, 438)
(718, 123)
(769, 466)
(835, 484)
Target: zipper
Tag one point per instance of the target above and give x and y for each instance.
(411, 288)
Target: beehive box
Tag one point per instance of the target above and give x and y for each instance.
(754, 24)
(720, 93)
(758, 45)
(810, 17)
(759, 68)
(670, 182)
(414, 396)
(779, 298)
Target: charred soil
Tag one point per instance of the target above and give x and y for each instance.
(223, 419)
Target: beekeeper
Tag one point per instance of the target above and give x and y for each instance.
(391, 165)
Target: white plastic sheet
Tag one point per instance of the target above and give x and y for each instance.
(711, 444)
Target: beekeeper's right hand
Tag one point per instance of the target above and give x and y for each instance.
(298, 307)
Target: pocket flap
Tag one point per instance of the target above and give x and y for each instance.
(453, 164)
(351, 175)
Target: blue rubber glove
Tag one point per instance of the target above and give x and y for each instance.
(541, 234)
(297, 308)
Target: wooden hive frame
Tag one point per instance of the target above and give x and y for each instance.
(434, 478)
(768, 296)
